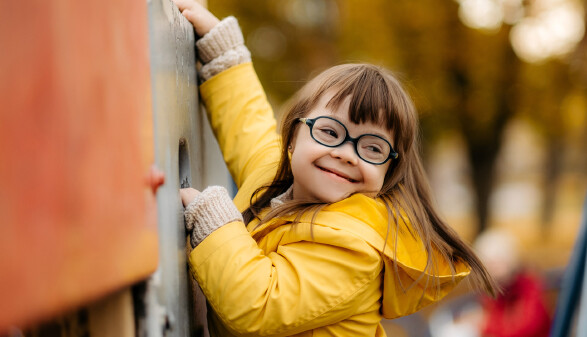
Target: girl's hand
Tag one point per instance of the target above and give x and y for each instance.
(188, 195)
(202, 20)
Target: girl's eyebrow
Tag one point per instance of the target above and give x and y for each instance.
(385, 135)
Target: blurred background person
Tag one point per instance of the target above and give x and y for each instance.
(521, 309)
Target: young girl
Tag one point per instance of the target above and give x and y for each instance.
(333, 226)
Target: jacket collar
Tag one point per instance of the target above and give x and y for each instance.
(282, 198)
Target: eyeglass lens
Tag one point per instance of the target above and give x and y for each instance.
(330, 132)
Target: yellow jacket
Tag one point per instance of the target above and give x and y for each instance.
(332, 278)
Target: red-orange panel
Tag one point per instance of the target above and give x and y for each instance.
(77, 220)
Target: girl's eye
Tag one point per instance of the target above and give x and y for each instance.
(373, 148)
(329, 133)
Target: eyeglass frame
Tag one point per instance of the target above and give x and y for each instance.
(310, 123)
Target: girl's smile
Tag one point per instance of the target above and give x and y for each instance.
(330, 174)
(338, 174)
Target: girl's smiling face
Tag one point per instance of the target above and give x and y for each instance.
(331, 174)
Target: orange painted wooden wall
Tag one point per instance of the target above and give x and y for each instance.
(77, 216)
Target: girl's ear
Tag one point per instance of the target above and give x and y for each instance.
(292, 142)
(291, 146)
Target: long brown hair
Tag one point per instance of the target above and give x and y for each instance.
(376, 96)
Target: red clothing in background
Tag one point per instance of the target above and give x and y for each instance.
(519, 312)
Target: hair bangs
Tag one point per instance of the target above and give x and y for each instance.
(370, 97)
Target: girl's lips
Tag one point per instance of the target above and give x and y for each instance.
(338, 174)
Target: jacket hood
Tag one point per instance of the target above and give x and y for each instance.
(409, 282)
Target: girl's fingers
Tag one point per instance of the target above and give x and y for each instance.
(183, 4)
(187, 195)
(202, 20)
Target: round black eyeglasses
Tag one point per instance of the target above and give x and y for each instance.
(330, 132)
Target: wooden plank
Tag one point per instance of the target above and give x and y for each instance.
(77, 219)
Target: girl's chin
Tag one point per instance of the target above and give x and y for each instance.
(328, 194)
(334, 197)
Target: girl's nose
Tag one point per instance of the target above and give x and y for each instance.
(346, 152)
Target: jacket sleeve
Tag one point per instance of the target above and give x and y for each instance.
(245, 127)
(301, 286)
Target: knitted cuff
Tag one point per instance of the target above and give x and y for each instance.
(224, 36)
(229, 59)
(209, 211)
(221, 48)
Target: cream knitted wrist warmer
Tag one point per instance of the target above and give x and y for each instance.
(209, 211)
(221, 48)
